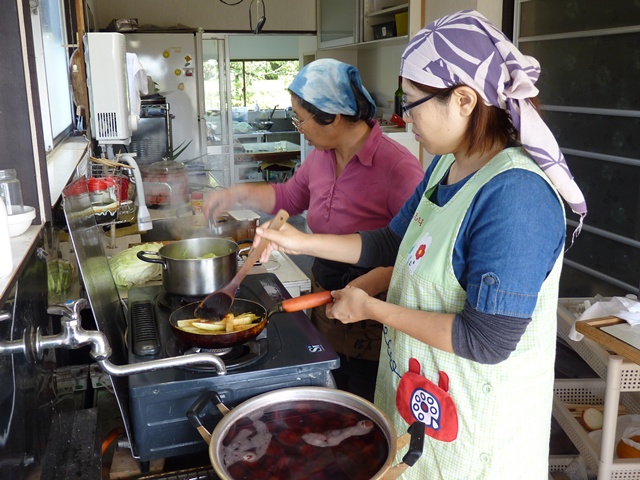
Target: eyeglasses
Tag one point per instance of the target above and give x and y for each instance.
(406, 107)
(297, 123)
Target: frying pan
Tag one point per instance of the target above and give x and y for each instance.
(240, 306)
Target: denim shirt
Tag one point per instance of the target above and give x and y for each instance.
(505, 209)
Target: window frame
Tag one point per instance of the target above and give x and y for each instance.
(51, 139)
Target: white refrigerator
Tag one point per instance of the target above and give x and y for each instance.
(171, 60)
(200, 119)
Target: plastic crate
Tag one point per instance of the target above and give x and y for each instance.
(591, 392)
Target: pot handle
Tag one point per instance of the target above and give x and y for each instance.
(415, 439)
(142, 256)
(193, 414)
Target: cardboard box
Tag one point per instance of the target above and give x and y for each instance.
(402, 24)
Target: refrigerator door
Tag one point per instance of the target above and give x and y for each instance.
(170, 59)
(216, 105)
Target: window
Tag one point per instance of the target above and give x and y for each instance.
(52, 63)
(262, 82)
(591, 101)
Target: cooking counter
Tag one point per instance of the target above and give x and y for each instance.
(268, 152)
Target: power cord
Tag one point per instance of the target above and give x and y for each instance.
(232, 4)
(261, 20)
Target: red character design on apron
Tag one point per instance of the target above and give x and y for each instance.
(420, 399)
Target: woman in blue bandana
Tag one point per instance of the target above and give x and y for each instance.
(470, 318)
(354, 179)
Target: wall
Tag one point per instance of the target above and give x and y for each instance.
(379, 69)
(210, 15)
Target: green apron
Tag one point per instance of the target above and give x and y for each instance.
(504, 410)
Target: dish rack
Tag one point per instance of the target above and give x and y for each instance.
(115, 204)
(619, 384)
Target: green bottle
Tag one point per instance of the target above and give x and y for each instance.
(397, 98)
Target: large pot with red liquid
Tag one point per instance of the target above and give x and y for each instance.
(299, 433)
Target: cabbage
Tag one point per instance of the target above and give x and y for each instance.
(128, 270)
(59, 276)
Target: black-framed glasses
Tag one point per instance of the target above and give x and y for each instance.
(406, 107)
(297, 123)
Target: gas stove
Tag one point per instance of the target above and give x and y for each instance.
(288, 352)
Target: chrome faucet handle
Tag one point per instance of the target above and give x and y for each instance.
(69, 309)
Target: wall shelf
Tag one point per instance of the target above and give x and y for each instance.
(389, 10)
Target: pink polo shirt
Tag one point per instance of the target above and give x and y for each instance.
(370, 191)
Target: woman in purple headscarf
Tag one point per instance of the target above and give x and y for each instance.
(470, 318)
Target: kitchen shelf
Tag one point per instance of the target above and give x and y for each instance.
(376, 12)
(373, 12)
(389, 10)
(619, 384)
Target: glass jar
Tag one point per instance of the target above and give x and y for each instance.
(166, 183)
(11, 191)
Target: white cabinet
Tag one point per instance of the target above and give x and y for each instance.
(248, 172)
(357, 23)
(339, 23)
(385, 19)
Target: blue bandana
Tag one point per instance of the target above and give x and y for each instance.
(326, 84)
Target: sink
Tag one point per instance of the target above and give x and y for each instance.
(281, 125)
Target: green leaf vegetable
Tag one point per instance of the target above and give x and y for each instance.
(59, 276)
(129, 270)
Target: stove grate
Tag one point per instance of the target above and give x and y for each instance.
(144, 330)
(199, 473)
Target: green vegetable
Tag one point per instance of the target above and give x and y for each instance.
(59, 276)
(129, 270)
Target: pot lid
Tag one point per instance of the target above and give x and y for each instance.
(165, 166)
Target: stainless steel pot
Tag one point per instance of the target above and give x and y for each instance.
(266, 433)
(185, 271)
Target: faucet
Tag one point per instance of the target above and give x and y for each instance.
(144, 217)
(74, 336)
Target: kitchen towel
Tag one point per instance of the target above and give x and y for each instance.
(138, 83)
(627, 309)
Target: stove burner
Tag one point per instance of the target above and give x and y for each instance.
(173, 302)
(221, 352)
(234, 358)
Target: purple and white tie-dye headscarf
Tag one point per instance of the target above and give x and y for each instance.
(326, 84)
(465, 48)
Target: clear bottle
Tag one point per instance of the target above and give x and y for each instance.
(397, 98)
(11, 191)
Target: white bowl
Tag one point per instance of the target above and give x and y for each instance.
(20, 222)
